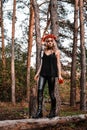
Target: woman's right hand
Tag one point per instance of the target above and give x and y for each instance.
(36, 77)
(60, 80)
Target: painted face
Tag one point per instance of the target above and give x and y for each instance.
(49, 43)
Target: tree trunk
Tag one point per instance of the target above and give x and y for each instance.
(83, 60)
(30, 37)
(54, 17)
(54, 27)
(3, 46)
(74, 54)
(38, 34)
(38, 43)
(43, 123)
(13, 54)
(48, 21)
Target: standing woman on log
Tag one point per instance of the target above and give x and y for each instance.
(49, 69)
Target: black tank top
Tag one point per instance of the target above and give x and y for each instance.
(49, 65)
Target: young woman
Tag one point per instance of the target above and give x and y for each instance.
(49, 69)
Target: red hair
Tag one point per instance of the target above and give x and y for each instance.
(48, 36)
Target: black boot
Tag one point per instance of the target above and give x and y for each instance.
(38, 114)
(39, 111)
(53, 109)
(51, 114)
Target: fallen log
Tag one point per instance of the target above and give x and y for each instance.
(34, 124)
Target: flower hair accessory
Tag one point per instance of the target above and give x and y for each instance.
(48, 36)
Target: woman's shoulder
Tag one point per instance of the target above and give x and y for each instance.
(57, 52)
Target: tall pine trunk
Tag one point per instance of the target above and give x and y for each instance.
(83, 60)
(13, 54)
(74, 55)
(38, 47)
(3, 46)
(55, 29)
(38, 34)
(30, 40)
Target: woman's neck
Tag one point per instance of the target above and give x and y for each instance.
(49, 51)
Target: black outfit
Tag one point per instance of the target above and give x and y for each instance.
(49, 65)
(48, 73)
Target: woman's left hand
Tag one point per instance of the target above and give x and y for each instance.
(60, 80)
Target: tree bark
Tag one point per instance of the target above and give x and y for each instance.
(48, 21)
(74, 55)
(38, 47)
(38, 34)
(54, 27)
(3, 46)
(30, 41)
(44, 123)
(13, 54)
(54, 17)
(83, 60)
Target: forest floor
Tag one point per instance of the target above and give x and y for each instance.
(20, 111)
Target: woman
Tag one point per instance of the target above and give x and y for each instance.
(49, 69)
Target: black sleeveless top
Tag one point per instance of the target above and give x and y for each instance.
(49, 65)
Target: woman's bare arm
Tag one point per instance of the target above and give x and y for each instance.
(38, 72)
(58, 63)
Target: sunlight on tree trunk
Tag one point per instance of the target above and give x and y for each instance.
(30, 41)
(13, 54)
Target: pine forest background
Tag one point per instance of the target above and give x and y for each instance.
(18, 47)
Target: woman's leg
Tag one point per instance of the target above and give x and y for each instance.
(51, 85)
(41, 84)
